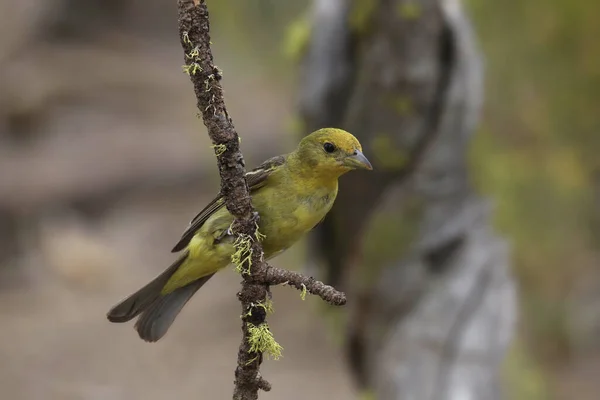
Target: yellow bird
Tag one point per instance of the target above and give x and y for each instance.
(292, 193)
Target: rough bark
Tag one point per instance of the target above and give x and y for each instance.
(435, 305)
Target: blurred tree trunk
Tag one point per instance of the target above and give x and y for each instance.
(433, 305)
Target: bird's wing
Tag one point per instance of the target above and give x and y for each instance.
(255, 178)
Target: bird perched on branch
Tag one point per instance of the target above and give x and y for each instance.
(292, 194)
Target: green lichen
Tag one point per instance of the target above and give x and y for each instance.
(388, 156)
(219, 149)
(361, 14)
(186, 38)
(194, 54)
(409, 10)
(207, 86)
(192, 68)
(242, 258)
(266, 305)
(261, 340)
(303, 292)
(250, 361)
(297, 37)
(259, 236)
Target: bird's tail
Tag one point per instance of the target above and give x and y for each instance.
(158, 317)
(157, 311)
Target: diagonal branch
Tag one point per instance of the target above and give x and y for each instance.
(206, 77)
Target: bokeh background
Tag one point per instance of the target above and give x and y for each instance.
(103, 163)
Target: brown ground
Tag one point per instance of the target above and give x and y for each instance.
(55, 342)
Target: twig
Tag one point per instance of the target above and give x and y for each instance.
(206, 77)
(276, 276)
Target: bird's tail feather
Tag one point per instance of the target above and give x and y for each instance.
(157, 318)
(136, 303)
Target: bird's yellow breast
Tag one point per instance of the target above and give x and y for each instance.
(284, 220)
(285, 216)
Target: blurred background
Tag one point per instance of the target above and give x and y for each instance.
(470, 255)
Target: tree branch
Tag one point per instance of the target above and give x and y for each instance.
(277, 276)
(254, 295)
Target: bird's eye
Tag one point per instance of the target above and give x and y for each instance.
(330, 148)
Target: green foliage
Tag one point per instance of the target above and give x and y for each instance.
(403, 105)
(537, 150)
(296, 39)
(409, 10)
(367, 394)
(388, 156)
(253, 29)
(360, 14)
(524, 379)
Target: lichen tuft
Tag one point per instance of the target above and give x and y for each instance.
(266, 305)
(194, 54)
(219, 149)
(192, 68)
(186, 38)
(261, 340)
(303, 292)
(242, 258)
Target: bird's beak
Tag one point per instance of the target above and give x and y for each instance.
(357, 161)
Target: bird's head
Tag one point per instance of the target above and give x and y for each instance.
(333, 151)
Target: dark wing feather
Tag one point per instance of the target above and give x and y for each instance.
(255, 178)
